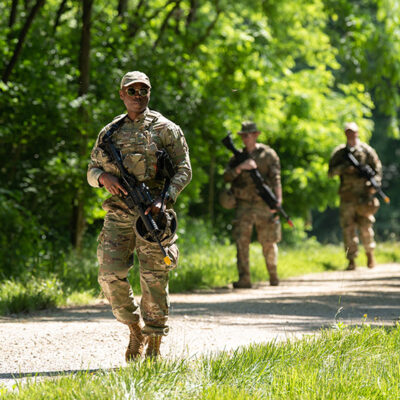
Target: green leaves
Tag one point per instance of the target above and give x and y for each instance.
(300, 69)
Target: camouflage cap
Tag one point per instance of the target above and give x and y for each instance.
(351, 126)
(133, 77)
(248, 127)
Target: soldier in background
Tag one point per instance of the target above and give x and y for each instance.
(140, 134)
(251, 209)
(357, 201)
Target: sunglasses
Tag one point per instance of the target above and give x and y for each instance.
(141, 92)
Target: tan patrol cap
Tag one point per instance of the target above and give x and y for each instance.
(351, 126)
(133, 77)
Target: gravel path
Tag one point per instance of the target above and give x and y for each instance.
(81, 338)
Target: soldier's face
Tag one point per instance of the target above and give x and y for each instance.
(351, 135)
(136, 97)
(249, 139)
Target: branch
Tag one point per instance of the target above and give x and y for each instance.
(24, 31)
(122, 7)
(13, 13)
(194, 5)
(202, 38)
(134, 26)
(165, 24)
(60, 12)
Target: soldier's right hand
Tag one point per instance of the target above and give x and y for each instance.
(247, 165)
(112, 184)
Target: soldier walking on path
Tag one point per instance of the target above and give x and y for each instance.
(357, 201)
(251, 209)
(139, 136)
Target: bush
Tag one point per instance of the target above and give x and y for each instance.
(20, 236)
(33, 294)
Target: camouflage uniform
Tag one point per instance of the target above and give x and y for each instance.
(138, 142)
(252, 211)
(357, 202)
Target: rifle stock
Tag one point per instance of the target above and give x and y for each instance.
(264, 191)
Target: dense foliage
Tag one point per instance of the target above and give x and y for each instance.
(298, 68)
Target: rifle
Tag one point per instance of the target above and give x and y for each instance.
(165, 169)
(365, 171)
(264, 191)
(138, 196)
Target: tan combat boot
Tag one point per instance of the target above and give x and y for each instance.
(153, 346)
(242, 284)
(352, 265)
(273, 279)
(136, 343)
(370, 260)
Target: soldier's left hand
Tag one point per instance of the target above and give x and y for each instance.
(156, 207)
(275, 215)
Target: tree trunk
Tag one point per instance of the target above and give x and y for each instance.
(60, 12)
(211, 188)
(122, 7)
(18, 48)
(78, 222)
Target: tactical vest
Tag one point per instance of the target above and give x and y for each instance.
(138, 148)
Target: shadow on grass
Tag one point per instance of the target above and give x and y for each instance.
(329, 267)
(55, 374)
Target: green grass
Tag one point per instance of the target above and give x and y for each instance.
(30, 295)
(202, 265)
(342, 363)
(215, 266)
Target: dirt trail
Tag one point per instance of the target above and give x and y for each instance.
(81, 338)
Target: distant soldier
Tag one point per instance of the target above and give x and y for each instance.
(138, 135)
(357, 201)
(251, 209)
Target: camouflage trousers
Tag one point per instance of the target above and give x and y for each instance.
(268, 228)
(353, 219)
(117, 243)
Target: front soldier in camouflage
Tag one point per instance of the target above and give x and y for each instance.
(139, 136)
(251, 210)
(357, 201)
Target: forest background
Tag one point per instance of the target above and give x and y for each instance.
(299, 68)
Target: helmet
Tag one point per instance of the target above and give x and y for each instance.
(227, 199)
(166, 223)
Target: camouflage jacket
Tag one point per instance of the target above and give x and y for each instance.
(138, 142)
(352, 186)
(268, 164)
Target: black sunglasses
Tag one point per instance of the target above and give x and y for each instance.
(132, 91)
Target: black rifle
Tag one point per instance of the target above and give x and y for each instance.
(138, 196)
(368, 173)
(165, 170)
(264, 191)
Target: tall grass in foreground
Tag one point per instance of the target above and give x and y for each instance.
(341, 363)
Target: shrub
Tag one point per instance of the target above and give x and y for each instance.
(33, 294)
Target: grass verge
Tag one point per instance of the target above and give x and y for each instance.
(341, 363)
(201, 266)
